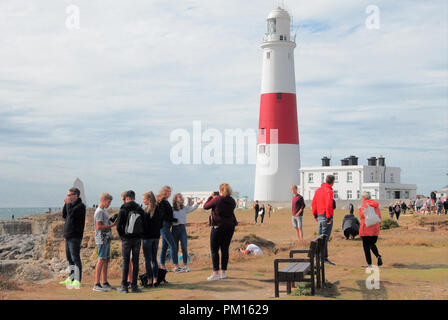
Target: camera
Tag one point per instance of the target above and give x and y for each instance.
(216, 193)
(114, 217)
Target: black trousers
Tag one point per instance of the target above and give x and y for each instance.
(350, 232)
(220, 238)
(128, 246)
(369, 244)
(262, 218)
(256, 216)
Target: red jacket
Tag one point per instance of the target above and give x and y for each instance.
(373, 230)
(323, 201)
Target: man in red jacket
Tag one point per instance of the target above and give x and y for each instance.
(322, 206)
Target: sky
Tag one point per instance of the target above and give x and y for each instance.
(99, 102)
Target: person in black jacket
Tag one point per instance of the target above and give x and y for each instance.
(223, 222)
(129, 242)
(151, 237)
(350, 226)
(74, 214)
(256, 208)
(167, 237)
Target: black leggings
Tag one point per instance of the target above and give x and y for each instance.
(220, 238)
(368, 242)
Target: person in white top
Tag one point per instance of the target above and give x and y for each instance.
(178, 230)
(251, 249)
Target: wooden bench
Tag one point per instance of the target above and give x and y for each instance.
(299, 268)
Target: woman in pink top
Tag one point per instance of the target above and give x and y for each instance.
(369, 235)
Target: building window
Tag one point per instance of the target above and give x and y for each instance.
(349, 194)
(281, 37)
(371, 177)
(349, 177)
(336, 177)
(268, 55)
(310, 178)
(358, 194)
(389, 195)
(391, 177)
(322, 177)
(272, 28)
(335, 194)
(406, 194)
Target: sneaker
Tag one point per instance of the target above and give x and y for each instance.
(380, 261)
(98, 287)
(329, 262)
(178, 270)
(129, 286)
(223, 276)
(214, 277)
(76, 284)
(186, 269)
(108, 286)
(123, 289)
(136, 289)
(66, 281)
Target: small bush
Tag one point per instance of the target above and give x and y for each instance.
(302, 290)
(389, 224)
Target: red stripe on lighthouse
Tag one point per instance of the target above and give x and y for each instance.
(278, 111)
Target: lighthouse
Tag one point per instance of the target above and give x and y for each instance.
(278, 154)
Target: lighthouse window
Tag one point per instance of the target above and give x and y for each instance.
(268, 55)
(262, 149)
(279, 96)
(262, 131)
(272, 26)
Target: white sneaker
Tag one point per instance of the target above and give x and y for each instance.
(186, 269)
(214, 277)
(223, 276)
(178, 270)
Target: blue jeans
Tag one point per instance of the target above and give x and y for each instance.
(150, 247)
(167, 241)
(180, 234)
(324, 228)
(72, 251)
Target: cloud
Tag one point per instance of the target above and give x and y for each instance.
(101, 101)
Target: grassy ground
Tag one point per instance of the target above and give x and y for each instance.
(415, 264)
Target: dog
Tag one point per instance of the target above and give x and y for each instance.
(161, 278)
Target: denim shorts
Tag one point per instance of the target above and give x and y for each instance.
(104, 250)
(297, 222)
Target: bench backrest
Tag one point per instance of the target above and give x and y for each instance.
(313, 248)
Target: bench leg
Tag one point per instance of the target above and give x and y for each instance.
(312, 283)
(276, 289)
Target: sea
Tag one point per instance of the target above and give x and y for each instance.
(6, 213)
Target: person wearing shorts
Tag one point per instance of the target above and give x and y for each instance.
(298, 205)
(103, 236)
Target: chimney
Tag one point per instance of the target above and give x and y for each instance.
(381, 161)
(371, 161)
(352, 161)
(344, 162)
(325, 162)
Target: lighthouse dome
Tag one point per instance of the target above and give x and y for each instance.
(278, 25)
(279, 13)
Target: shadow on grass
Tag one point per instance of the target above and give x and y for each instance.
(330, 290)
(215, 286)
(419, 266)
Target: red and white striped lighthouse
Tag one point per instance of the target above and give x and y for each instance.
(278, 155)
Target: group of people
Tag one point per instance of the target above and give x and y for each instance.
(142, 227)
(323, 205)
(429, 205)
(260, 210)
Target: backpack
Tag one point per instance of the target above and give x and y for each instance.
(370, 216)
(134, 224)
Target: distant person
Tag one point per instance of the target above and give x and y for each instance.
(12, 217)
(445, 205)
(369, 234)
(418, 205)
(261, 213)
(391, 211)
(103, 236)
(223, 222)
(151, 237)
(350, 226)
(404, 207)
(130, 227)
(179, 230)
(397, 210)
(298, 205)
(49, 210)
(256, 208)
(251, 249)
(433, 201)
(351, 208)
(269, 210)
(74, 214)
(323, 210)
(167, 237)
(439, 204)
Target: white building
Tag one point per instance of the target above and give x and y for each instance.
(351, 180)
(203, 195)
